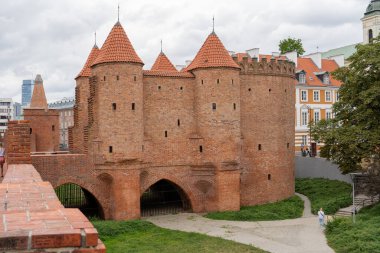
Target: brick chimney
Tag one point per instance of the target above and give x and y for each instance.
(17, 143)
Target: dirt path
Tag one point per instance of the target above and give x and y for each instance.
(301, 235)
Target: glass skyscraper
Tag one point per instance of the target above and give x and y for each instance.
(27, 90)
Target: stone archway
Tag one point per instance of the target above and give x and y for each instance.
(164, 197)
(94, 189)
(74, 196)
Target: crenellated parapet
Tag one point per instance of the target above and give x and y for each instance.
(254, 66)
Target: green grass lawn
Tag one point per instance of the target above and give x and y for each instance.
(286, 209)
(362, 237)
(331, 195)
(144, 237)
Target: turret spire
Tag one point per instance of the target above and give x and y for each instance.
(213, 24)
(38, 100)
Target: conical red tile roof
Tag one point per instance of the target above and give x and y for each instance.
(212, 54)
(86, 71)
(117, 48)
(38, 100)
(163, 63)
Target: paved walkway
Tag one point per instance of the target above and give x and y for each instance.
(301, 235)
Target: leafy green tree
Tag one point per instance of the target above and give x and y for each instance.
(290, 45)
(352, 138)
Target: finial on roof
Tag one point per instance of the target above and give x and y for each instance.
(118, 12)
(161, 46)
(213, 24)
(38, 79)
(95, 39)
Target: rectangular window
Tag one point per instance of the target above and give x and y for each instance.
(133, 106)
(328, 115)
(110, 149)
(304, 140)
(328, 96)
(302, 78)
(214, 106)
(304, 119)
(316, 95)
(326, 79)
(114, 106)
(304, 95)
(316, 117)
(337, 96)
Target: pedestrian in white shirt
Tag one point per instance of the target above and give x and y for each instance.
(321, 217)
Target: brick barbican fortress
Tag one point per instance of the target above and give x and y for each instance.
(220, 131)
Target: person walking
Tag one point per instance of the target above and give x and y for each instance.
(2, 158)
(321, 217)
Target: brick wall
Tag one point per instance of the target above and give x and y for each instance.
(17, 143)
(239, 153)
(44, 125)
(34, 220)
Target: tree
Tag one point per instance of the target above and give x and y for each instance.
(290, 45)
(352, 137)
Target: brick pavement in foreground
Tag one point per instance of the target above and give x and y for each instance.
(32, 219)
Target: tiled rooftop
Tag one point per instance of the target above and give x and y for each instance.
(163, 63)
(117, 48)
(308, 66)
(86, 71)
(212, 54)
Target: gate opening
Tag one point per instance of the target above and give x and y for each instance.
(163, 198)
(74, 196)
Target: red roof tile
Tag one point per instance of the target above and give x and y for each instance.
(331, 66)
(117, 48)
(309, 67)
(163, 63)
(86, 71)
(167, 73)
(212, 54)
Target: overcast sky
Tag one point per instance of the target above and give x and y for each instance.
(53, 38)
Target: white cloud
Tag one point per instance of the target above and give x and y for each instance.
(53, 38)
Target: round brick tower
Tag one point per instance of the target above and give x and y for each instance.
(217, 117)
(82, 93)
(267, 125)
(116, 112)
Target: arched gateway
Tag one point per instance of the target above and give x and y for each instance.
(74, 196)
(164, 197)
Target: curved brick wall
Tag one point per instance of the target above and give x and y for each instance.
(267, 95)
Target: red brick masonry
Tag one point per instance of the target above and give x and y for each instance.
(32, 219)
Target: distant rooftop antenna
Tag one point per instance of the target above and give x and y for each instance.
(317, 49)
